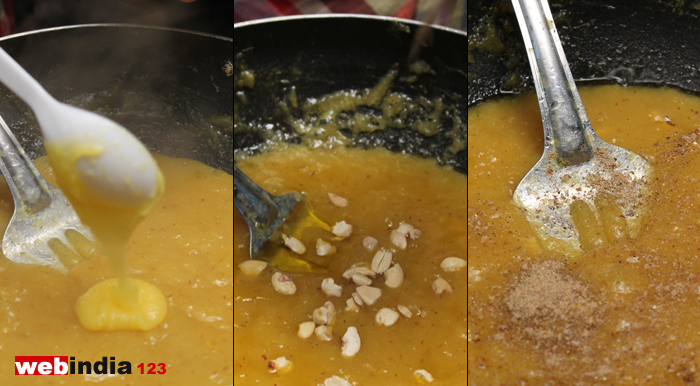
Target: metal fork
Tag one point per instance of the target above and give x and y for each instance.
(42, 213)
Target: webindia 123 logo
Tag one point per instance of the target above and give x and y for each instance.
(64, 365)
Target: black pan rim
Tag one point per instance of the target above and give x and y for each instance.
(345, 16)
(114, 25)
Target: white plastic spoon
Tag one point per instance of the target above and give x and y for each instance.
(120, 170)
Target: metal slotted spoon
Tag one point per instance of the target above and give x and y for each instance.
(263, 212)
(43, 218)
(582, 187)
(266, 215)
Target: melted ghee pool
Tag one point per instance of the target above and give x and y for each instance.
(623, 313)
(183, 248)
(383, 189)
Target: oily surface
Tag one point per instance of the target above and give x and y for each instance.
(382, 189)
(183, 247)
(624, 313)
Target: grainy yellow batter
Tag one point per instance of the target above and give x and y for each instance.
(183, 247)
(382, 189)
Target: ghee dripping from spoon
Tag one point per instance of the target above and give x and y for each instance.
(121, 303)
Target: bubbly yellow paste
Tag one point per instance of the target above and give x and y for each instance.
(183, 246)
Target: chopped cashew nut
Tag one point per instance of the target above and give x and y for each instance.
(358, 299)
(441, 285)
(350, 342)
(324, 315)
(283, 284)
(369, 243)
(294, 244)
(320, 316)
(252, 267)
(414, 234)
(330, 288)
(342, 229)
(361, 270)
(336, 381)
(350, 305)
(393, 277)
(399, 239)
(361, 279)
(323, 333)
(405, 229)
(369, 295)
(452, 264)
(423, 376)
(405, 311)
(381, 261)
(386, 317)
(306, 329)
(324, 248)
(279, 365)
(331, 311)
(337, 200)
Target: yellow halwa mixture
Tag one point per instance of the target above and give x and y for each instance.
(625, 313)
(183, 247)
(383, 190)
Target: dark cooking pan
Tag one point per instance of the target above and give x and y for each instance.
(653, 42)
(324, 54)
(173, 89)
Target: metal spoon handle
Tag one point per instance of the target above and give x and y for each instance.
(29, 189)
(263, 212)
(252, 201)
(563, 116)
